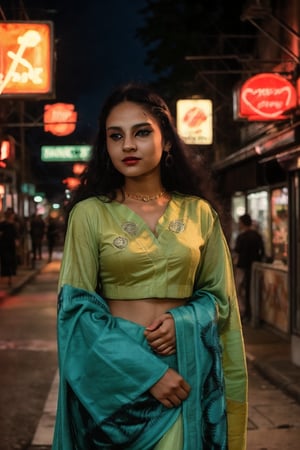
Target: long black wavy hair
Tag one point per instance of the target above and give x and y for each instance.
(187, 174)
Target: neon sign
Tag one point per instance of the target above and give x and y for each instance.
(60, 118)
(25, 58)
(65, 153)
(266, 97)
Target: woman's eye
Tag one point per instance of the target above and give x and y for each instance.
(143, 132)
(115, 136)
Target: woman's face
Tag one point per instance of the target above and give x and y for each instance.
(134, 140)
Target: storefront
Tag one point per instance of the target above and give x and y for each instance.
(263, 179)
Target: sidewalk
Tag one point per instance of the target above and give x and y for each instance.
(270, 354)
(24, 275)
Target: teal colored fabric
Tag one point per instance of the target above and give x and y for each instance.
(106, 370)
(200, 363)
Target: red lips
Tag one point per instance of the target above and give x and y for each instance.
(130, 160)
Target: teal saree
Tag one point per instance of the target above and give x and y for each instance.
(107, 367)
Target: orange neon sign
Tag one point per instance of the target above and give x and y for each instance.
(71, 182)
(79, 168)
(26, 58)
(5, 149)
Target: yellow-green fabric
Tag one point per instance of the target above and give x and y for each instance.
(173, 438)
(111, 250)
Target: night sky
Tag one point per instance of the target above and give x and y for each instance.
(96, 50)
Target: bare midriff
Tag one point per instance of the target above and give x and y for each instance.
(143, 311)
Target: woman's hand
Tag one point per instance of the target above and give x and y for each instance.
(171, 389)
(161, 336)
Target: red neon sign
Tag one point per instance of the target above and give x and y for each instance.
(266, 97)
(71, 182)
(60, 118)
(25, 58)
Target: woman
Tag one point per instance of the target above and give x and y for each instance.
(151, 352)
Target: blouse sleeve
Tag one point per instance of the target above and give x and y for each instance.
(80, 261)
(215, 275)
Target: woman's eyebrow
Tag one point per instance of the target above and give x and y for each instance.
(137, 125)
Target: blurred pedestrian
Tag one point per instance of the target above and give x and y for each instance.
(52, 236)
(249, 247)
(37, 232)
(8, 246)
(20, 225)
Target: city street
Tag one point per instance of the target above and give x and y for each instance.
(27, 357)
(28, 381)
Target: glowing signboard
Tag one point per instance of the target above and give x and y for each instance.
(65, 153)
(26, 58)
(194, 121)
(60, 118)
(266, 96)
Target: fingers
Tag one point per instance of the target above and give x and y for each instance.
(172, 402)
(154, 325)
(171, 390)
(161, 335)
(165, 350)
(157, 323)
(161, 332)
(186, 388)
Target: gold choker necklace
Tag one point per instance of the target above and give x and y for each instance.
(144, 197)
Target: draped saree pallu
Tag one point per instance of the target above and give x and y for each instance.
(107, 368)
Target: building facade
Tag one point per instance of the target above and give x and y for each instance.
(262, 177)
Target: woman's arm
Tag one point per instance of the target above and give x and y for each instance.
(80, 261)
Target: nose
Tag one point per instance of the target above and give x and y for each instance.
(128, 144)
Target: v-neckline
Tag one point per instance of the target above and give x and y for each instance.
(141, 220)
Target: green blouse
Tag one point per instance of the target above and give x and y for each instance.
(111, 249)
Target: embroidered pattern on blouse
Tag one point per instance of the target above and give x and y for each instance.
(177, 226)
(120, 242)
(130, 228)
